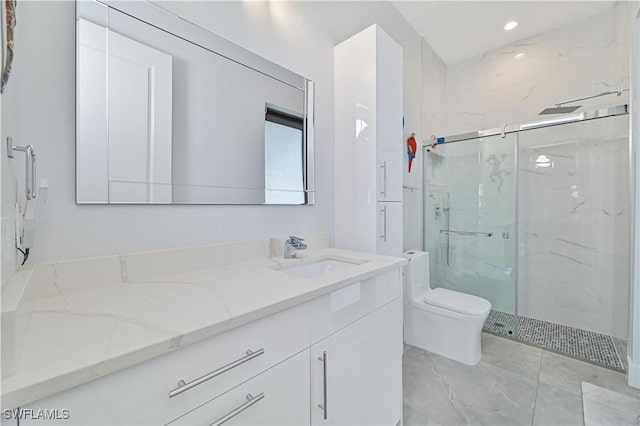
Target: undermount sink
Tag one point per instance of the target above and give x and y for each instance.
(319, 267)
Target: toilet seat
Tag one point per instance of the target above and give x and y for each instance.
(456, 301)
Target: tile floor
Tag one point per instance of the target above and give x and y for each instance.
(604, 407)
(583, 344)
(514, 384)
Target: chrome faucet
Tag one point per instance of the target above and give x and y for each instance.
(292, 245)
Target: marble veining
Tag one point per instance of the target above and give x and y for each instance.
(514, 384)
(80, 332)
(605, 407)
(573, 262)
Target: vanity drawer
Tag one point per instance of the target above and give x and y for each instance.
(279, 396)
(140, 394)
(342, 307)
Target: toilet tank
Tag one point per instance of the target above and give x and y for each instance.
(417, 273)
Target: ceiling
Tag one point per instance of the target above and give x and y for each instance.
(459, 30)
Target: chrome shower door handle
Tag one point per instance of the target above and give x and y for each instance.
(466, 233)
(323, 404)
(383, 187)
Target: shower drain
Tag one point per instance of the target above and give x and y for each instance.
(587, 345)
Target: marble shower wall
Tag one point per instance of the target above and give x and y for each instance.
(575, 224)
(585, 58)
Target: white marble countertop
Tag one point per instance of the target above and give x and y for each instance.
(77, 337)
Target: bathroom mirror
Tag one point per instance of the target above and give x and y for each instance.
(169, 113)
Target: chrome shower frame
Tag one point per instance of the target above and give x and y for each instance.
(514, 128)
(617, 110)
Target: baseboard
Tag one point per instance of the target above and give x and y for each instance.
(633, 374)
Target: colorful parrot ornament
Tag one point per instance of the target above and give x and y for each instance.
(412, 147)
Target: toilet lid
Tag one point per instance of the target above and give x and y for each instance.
(456, 301)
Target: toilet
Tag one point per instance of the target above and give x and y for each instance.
(445, 322)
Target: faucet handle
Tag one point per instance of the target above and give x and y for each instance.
(296, 240)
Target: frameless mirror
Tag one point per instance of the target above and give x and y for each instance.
(169, 113)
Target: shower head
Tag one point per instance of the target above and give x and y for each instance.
(559, 110)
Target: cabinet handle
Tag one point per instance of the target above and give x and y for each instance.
(323, 406)
(383, 168)
(182, 386)
(231, 414)
(383, 237)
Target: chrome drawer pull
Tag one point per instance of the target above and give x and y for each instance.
(231, 414)
(323, 406)
(183, 386)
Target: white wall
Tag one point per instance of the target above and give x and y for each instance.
(8, 182)
(297, 35)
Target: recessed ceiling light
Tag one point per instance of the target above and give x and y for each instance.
(519, 56)
(511, 25)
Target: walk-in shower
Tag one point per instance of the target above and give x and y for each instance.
(535, 219)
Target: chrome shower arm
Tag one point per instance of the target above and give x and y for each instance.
(617, 92)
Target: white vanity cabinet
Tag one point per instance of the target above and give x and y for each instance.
(336, 359)
(356, 353)
(356, 373)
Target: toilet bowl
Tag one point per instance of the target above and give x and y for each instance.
(442, 321)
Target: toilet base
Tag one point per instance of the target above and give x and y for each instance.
(452, 335)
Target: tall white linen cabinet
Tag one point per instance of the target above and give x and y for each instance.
(368, 143)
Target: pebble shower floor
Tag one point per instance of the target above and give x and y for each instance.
(601, 349)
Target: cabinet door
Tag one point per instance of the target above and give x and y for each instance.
(390, 146)
(390, 231)
(279, 396)
(356, 373)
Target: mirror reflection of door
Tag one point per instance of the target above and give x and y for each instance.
(169, 113)
(138, 118)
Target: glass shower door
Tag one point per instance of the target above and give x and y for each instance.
(470, 222)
